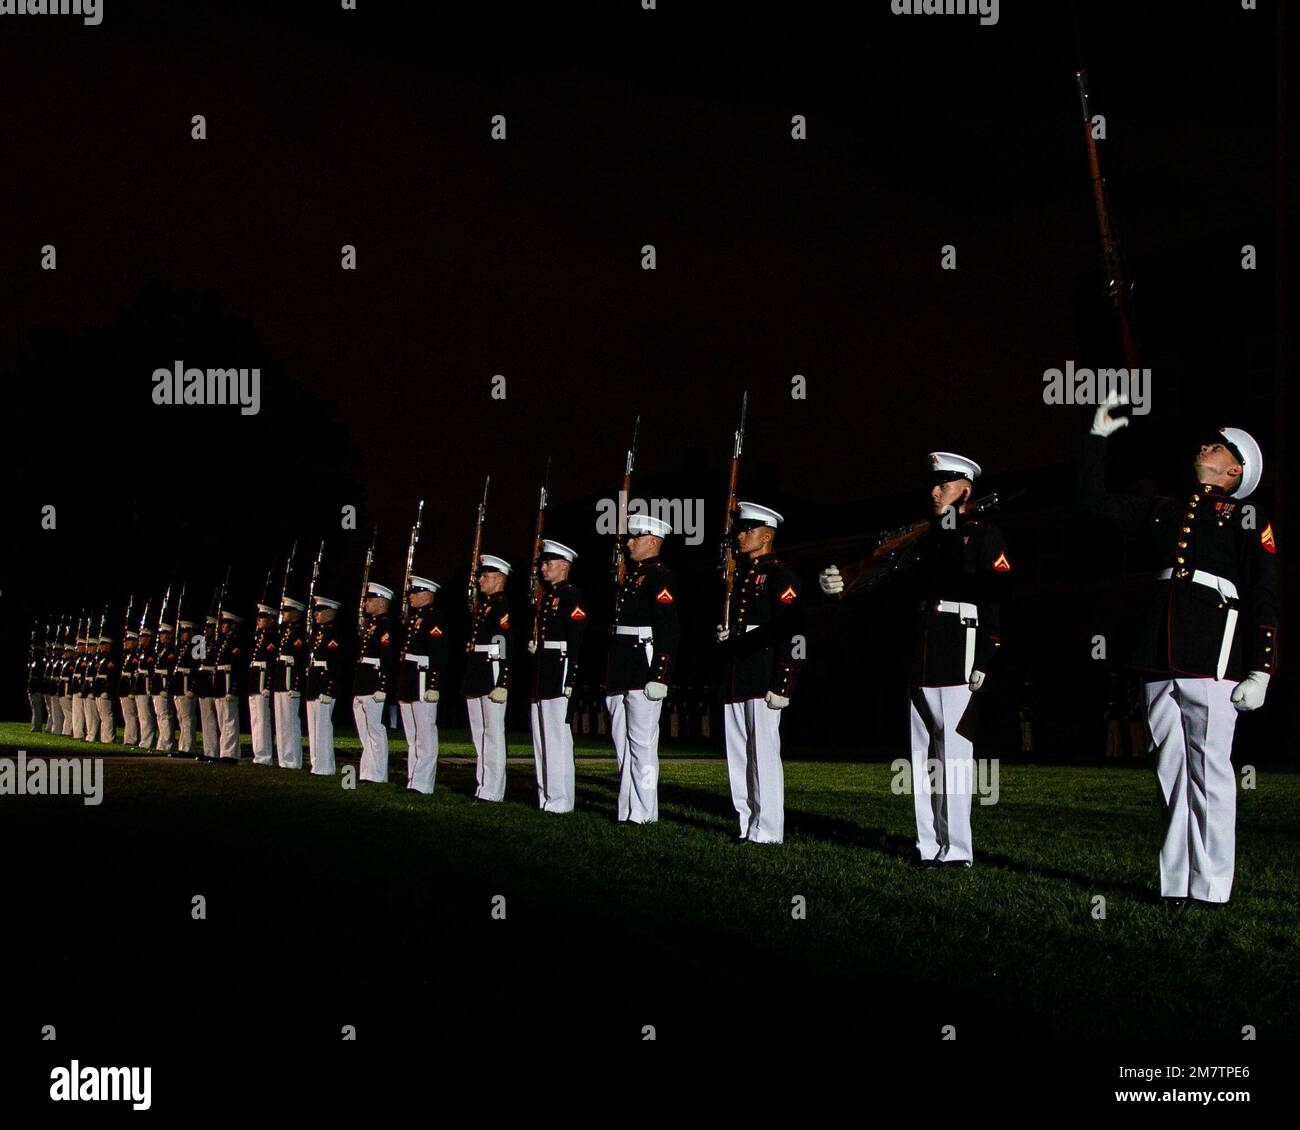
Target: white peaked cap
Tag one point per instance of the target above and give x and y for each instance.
(326, 602)
(752, 512)
(494, 563)
(1252, 467)
(233, 617)
(132, 634)
(265, 610)
(289, 602)
(957, 464)
(376, 589)
(165, 627)
(185, 623)
(424, 584)
(105, 639)
(638, 524)
(559, 549)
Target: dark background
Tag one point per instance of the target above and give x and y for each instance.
(522, 258)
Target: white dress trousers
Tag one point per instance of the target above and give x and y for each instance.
(1192, 723)
(943, 799)
(753, 739)
(553, 754)
(634, 726)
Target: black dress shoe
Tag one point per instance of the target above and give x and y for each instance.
(956, 862)
(1201, 904)
(925, 863)
(228, 760)
(1173, 902)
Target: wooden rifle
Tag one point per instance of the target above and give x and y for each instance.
(1118, 288)
(618, 563)
(476, 551)
(890, 542)
(536, 590)
(413, 541)
(727, 560)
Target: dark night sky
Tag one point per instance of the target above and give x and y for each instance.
(522, 258)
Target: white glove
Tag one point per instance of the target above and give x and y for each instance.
(1249, 693)
(532, 647)
(231, 698)
(776, 701)
(656, 691)
(568, 692)
(104, 695)
(379, 696)
(977, 680)
(430, 696)
(164, 695)
(295, 694)
(723, 634)
(1103, 423)
(190, 694)
(325, 700)
(832, 584)
(498, 694)
(266, 692)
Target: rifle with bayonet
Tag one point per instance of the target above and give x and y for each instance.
(365, 579)
(288, 572)
(618, 563)
(727, 560)
(1118, 288)
(475, 553)
(536, 590)
(311, 607)
(411, 543)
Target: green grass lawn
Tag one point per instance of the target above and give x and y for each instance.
(669, 923)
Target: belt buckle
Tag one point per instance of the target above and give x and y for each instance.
(1182, 573)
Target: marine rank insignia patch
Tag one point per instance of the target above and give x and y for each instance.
(1001, 564)
(1266, 538)
(577, 613)
(788, 595)
(664, 597)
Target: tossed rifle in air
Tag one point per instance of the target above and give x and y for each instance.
(535, 589)
(476, 552)
(727, 557)
(1118, 288)
(890, 542)
(365, 579)
(411, 543)
(618, 562)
